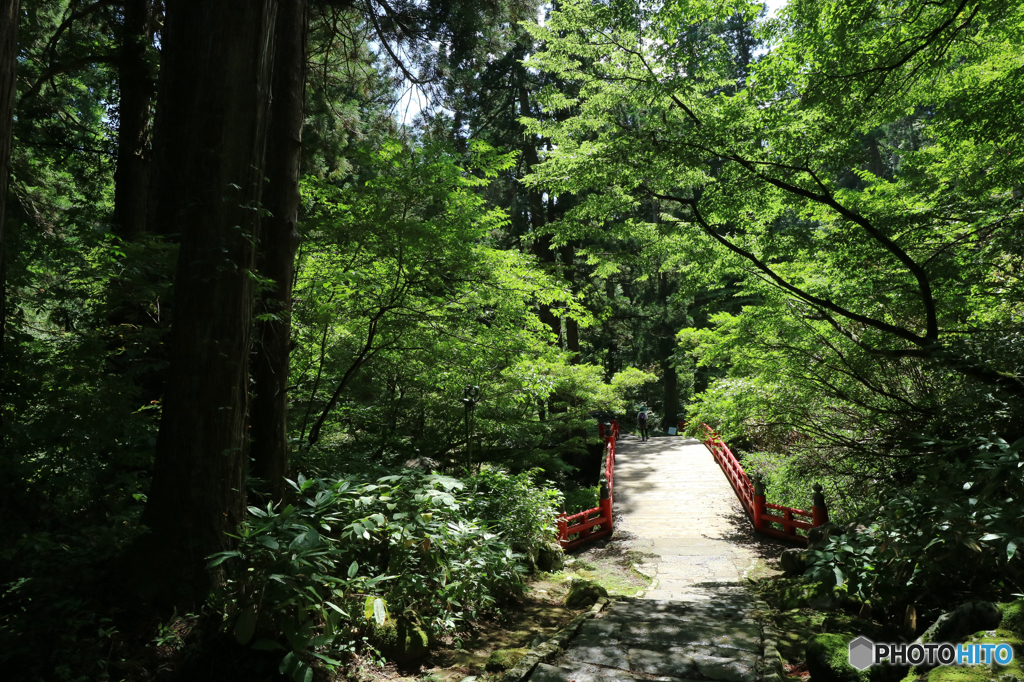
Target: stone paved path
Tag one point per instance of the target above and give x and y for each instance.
(673, 498)
(674, 504)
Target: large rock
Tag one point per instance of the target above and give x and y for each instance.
(550, 557)
(793, 562)
(828, 659)
(401, 641)
(818, 536)
(583, 593)
(963, 621)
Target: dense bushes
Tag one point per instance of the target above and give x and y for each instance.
(954, 533)
(317, 576)
(517, 508)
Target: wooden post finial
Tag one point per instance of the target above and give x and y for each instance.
(820, 509)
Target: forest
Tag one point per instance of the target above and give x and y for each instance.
(310, 309)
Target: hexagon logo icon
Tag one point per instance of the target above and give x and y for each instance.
(862, 653)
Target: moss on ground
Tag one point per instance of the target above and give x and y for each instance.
(828, 659)
(953, 673)
(503, 659)
(796, 626)
(610, 569)
(800, 611)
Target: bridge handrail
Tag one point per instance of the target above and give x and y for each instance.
(753, 499)
(582, 524)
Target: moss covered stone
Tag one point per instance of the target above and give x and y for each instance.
(794, 593)
(550, 557)
(955, 673)
(583, 593)
(503, 659)
(1009, 632)
(1013, 617)
(400, 641)
(828, 659)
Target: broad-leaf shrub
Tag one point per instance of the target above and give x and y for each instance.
(517, 507)
(314, 576)
(954, 533)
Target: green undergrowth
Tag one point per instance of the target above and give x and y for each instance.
(386, 565)
(801, 610)
(581, 499)
(816, 621)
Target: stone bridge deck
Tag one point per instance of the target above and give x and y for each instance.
(674, 502)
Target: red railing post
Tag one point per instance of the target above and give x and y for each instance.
(759, 502)
(606, 502)
(583, 524)
(819, 510)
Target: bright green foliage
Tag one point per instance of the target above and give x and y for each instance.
(349, 554)
(397, 276)
(862, 180)
(405, 299)
(518, 508)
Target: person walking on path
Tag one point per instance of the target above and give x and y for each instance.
(641, 423)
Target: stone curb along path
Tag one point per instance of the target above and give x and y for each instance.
(697, 622)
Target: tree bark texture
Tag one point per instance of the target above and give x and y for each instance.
(666, 354)
(278, 242)
(131, 176)
(670, 376)
(572, 327)
(10, 11)
(209, 141)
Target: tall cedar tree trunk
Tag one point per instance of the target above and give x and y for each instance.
(670, 417)
(278, 241)
(131, 176)
(9, 14)
(666, 353)
(213, 108)
(572, 327)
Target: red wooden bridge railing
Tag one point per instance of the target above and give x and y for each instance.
(751, 495)
(596, 523)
